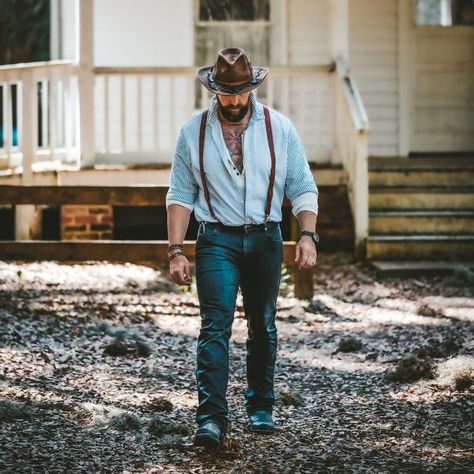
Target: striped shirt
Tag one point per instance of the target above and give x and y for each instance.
(240, 198)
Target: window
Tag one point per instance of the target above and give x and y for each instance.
(445, 12)
(231, 10)
(224, 23)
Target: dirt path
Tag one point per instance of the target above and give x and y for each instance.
(97, 374)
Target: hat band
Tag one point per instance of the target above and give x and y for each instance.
(235, 85)
(231, 84)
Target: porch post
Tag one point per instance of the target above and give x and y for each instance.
(85, 58)
(338, 48)
(28, 216)
(339, 30)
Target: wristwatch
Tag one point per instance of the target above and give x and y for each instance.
(313, 235)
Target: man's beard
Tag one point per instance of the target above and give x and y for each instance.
(234, 113)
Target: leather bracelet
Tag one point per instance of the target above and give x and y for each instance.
(175, 246)
(176, 254)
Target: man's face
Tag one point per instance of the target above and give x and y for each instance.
(234, 107)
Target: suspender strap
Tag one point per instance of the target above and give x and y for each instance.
(202, 134)
(268, 125)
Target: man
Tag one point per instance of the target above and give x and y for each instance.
(232, 166)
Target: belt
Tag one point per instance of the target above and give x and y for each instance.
(240, 228)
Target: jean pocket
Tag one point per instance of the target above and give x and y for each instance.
(274, 233)
(205, 230)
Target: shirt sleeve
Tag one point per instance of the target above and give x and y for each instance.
(183, 188)
(300, 187)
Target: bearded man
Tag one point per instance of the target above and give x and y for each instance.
(233, 165)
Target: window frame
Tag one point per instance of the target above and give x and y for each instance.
(451, 26)
(199, 22)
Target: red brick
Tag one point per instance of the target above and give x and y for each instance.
(100, 210)
(73, 209)
(106, 219)
(86, 219)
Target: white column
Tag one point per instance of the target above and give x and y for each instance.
(406, 76)
(28, 216)
(85, 59)
(338, 48)
(279, 55)
(339, 30)
(55, 30)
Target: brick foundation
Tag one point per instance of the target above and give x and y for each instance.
(86, 222)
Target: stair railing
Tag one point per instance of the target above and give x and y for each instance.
(350, 147)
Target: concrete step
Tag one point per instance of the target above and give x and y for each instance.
(449, 221)
(414, 197)
(424, 246)
(417, 268)
(423, 177)
(421, 163)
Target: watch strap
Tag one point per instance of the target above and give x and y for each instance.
(313, 235)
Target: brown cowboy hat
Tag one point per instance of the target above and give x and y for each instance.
(232, 73)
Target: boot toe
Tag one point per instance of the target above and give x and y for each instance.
(209, 435)
(261, 421)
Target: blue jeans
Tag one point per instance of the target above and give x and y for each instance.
(224, 259)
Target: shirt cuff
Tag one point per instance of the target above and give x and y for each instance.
(184, 204)
(305, 202)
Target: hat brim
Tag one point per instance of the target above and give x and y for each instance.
(260, 73)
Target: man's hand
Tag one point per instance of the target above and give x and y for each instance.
(306, 253)
(179, 270)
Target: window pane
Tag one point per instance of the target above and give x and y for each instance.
(445, 12)
(231, 10)
(430, 12)
(463, 12)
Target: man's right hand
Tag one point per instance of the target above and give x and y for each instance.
(179, 270)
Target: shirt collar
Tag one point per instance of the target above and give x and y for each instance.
(257, 110)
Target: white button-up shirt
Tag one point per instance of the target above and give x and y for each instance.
(241, 198)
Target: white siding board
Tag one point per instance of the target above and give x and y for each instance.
(308, 44)
(143, 33)
(443, 90)
(308, 32)
(373, 43)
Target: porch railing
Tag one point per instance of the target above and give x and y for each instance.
(40, 114)
(351, 127)
(137, 111)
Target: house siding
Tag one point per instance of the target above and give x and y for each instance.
(308, 44)
(373, 53)
(443, 89)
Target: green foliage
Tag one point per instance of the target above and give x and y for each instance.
(24, 31)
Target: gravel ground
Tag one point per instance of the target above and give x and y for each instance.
(97, 373)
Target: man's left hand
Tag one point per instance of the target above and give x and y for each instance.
(306, 253)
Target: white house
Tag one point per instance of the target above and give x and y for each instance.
(363, 80)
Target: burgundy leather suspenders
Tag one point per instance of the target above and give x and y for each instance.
(268, 125)
(202, 132)
(202, 135)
